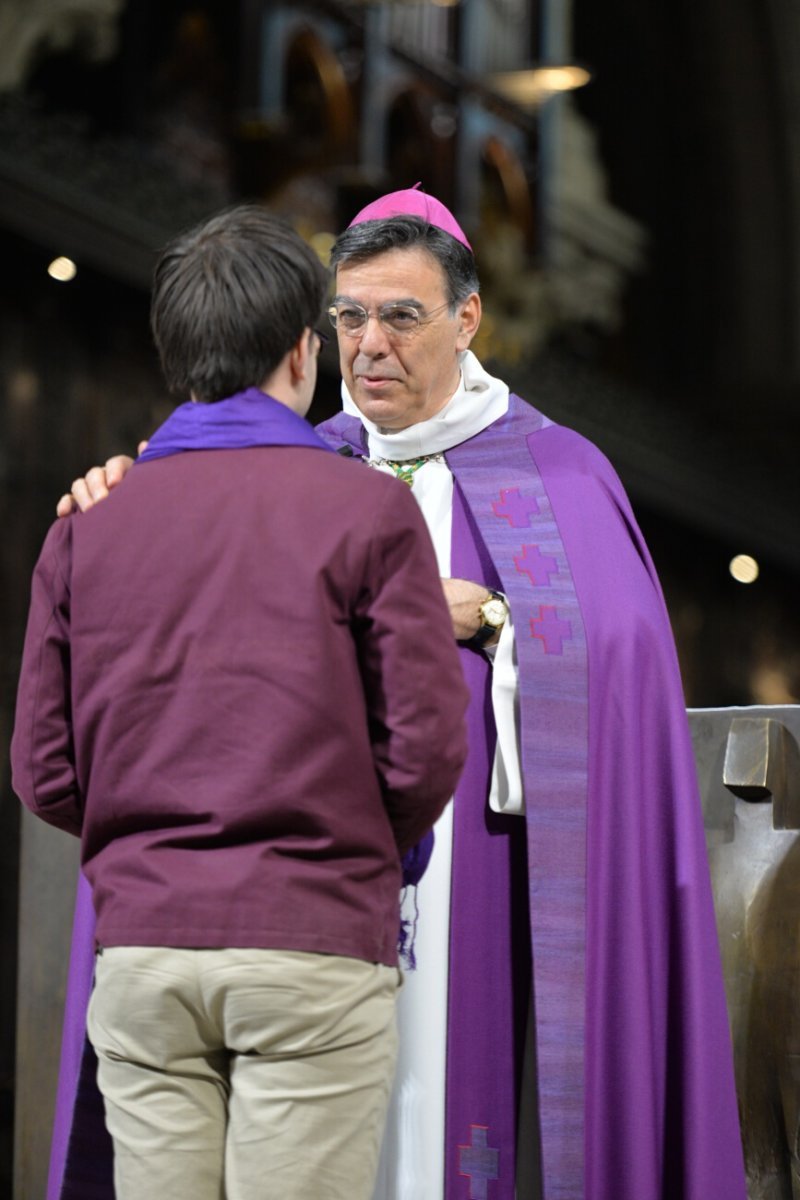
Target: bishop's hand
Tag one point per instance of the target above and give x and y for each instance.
(464, 599)
(96, 484)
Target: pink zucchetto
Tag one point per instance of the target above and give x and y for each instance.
(411, 202)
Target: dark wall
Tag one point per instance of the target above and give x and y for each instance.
(737, 643)
(697, 112)
(78, 381)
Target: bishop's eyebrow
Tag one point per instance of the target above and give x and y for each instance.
(410, 302)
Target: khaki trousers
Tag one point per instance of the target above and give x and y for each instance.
(243, 1074)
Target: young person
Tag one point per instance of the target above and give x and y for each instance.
(239, 689)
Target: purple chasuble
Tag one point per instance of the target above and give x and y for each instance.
(636, 1097)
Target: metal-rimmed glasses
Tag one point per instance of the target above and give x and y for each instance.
(396, 319)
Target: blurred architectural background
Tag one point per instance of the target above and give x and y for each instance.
(638, 239)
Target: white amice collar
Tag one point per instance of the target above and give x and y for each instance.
(477, 402)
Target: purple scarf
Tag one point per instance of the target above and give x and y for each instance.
(250, 418)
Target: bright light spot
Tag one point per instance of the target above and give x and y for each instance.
(744, 569)
(561, 79)
(529, 88)
(62, 269)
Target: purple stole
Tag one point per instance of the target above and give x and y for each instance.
(551, 649)
(609, 901)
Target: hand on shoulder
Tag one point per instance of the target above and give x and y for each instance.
(96, 484)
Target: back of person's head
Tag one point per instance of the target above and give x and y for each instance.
(230, 299)
(363, 241)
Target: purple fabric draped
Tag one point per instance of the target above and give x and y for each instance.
(661, 1117)
(78, 1117)
(636, 1096)
(250, 418)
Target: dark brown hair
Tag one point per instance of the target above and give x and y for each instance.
(230, 299)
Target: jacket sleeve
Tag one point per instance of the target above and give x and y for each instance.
(414, 685)
(42, 749)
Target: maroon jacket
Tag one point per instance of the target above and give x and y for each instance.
(240, 688)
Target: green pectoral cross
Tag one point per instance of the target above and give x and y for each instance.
(407, 468)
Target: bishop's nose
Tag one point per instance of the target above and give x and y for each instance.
(374, 341)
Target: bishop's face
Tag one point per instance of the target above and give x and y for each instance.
(400, 379)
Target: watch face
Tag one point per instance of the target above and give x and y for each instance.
(494, 612)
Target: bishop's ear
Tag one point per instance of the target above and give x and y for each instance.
(468, 321)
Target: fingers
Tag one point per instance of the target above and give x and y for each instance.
(89, 489)
(96, 484)
(65, 506)
(140, 449)
(114, 471)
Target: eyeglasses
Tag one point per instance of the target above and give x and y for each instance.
(398, 320)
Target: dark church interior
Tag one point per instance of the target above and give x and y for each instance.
(636, 221)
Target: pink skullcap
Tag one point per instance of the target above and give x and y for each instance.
(413, 203)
